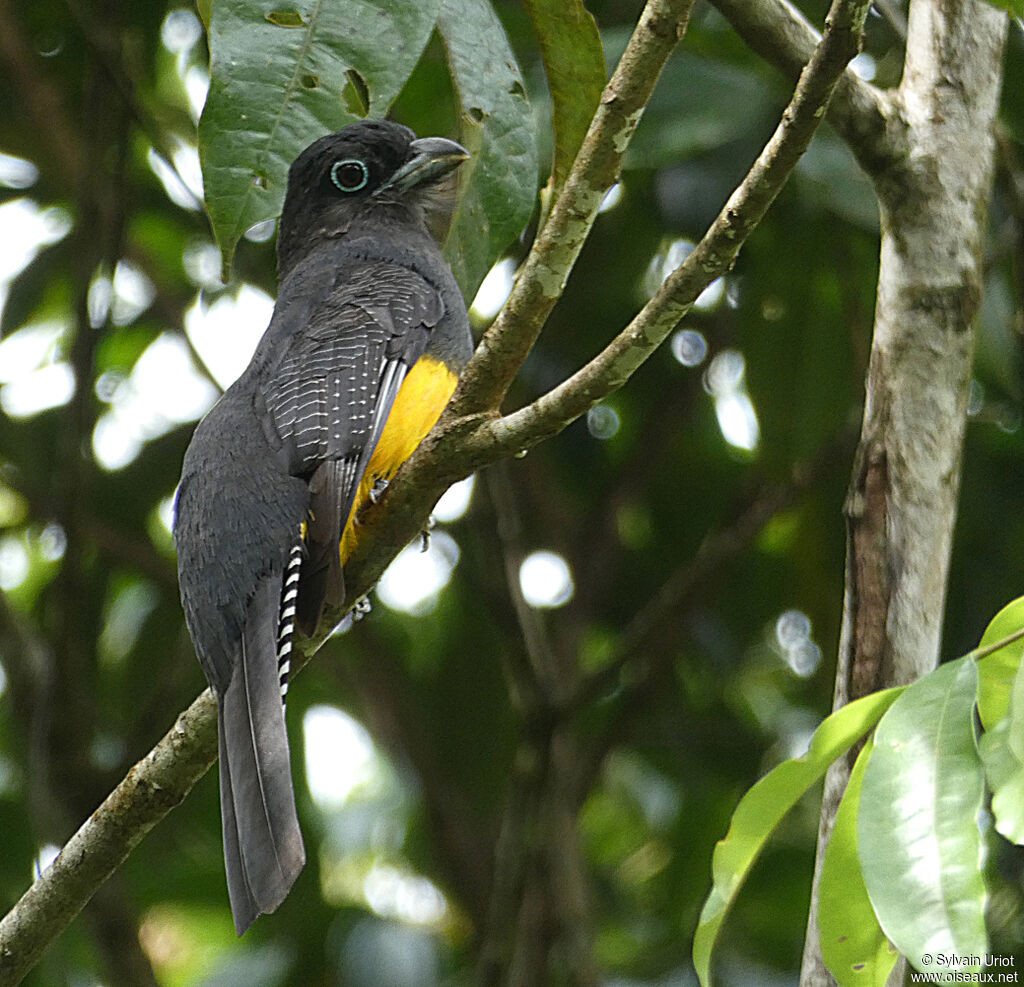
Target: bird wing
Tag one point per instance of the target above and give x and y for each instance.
(328, 397)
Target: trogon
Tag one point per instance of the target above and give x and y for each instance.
(363, 351)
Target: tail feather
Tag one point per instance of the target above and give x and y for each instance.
(263, 849)
(286, 623)
(243, 905)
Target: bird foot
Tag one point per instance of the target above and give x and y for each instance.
(378, 488)
(425, 533)
(361, 608)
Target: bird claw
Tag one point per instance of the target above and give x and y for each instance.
(378, 488)
(361, 608)
(425, 533)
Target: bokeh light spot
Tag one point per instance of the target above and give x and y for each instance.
(546, 580)
(412, 583)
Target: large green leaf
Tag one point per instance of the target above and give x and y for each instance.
(699, 105)
(1015, 715)
(570, 45)
(284, 72)
(761, 809)
(499, 182)
(853, 945)
(917, 832)
(996, 671)
(1002, 750)
(1004, 772)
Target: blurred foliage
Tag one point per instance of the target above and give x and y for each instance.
(94, 660)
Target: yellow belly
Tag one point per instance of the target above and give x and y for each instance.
(422, 397)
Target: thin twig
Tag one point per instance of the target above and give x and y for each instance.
(983, 652)
(783, 37)
(532, 672)
(712, 257)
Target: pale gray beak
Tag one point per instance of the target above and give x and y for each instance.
(433, 158)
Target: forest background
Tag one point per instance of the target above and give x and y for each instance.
(523, 759)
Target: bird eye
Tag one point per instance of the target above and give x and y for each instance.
(349, 175)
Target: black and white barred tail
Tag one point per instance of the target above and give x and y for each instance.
(286, 621)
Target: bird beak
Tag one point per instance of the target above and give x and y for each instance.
(433, 157)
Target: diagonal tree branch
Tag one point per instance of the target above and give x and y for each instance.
(469, 436)
(165, 776)
(149, 791)
(712, 257)
(783, 37)
(465, 440)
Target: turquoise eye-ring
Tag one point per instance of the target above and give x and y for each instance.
(349, 175)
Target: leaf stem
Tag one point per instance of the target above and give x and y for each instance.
(983, 652)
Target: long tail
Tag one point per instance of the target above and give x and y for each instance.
(263, 851)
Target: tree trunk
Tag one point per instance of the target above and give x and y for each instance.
(901, 507)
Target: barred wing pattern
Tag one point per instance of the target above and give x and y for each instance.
(330, 394)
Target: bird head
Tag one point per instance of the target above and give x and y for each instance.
(374, 172)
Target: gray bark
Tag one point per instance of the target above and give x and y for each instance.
(901, 509)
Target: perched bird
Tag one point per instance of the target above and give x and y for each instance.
(368, 337)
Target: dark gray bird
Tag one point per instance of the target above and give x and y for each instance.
(363, 351)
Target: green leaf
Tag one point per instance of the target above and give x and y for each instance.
(699, 104)
(1004, 772)
(1013, 7)
(996, 671)
(1016, 713)
(1002, 751)
(570, 45)
(499, 182)
(761, 809)
(280, 72)
(853, 945)
(917, 832)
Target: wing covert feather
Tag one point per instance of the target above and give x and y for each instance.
(328, 396)
(321, 394)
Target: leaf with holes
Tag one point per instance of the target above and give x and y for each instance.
(499, 182)
(284, 72)
(917, 829)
